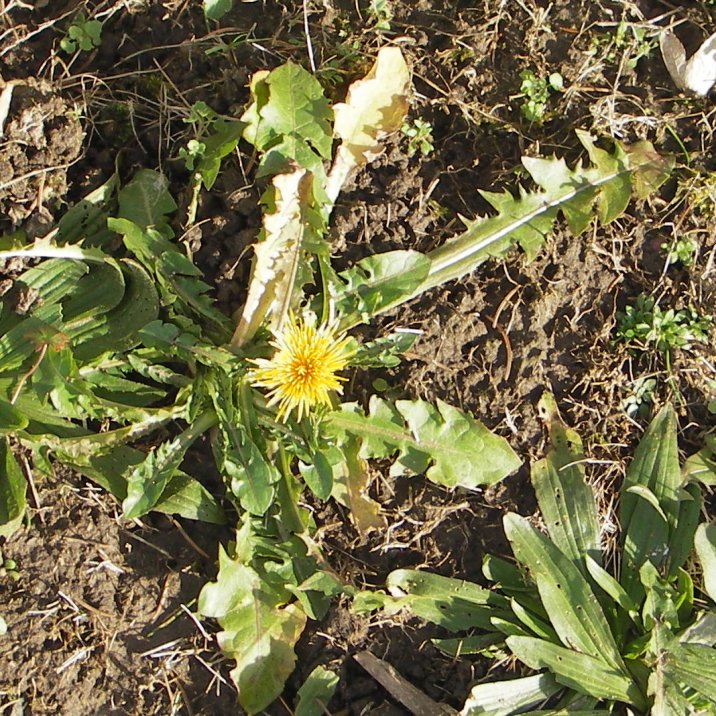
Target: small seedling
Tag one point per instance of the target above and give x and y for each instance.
(381, 13)
(419, 135)
(9, 570)
(639, 402)
(629, 40)
(681, 251)
(702, 193)
(644, 325)
(83, 35)
(193, 152)
(536, 91)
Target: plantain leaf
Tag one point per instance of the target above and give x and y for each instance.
(456, 449)
(612, 588)
(585, 674)
(12, 491)
(11, 419)
(118, 329)
(702, 465)
(454, 604)
(565, 500)
(705, 544)
(86, 221)
(681, 540)
(502, 698)
(645, 533)
(571, 605)
(693, 665)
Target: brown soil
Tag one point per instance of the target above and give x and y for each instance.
(99, 621)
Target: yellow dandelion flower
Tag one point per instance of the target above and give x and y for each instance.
(302, 371)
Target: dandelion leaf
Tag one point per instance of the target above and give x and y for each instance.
(452, 447)
(602, 188)
(350, 488)
(12, 491)
(259, 631)
(276, 255)
(375, 107)
(289, 119)
(379, 281)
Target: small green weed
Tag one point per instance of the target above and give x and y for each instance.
(639, 402)
(214, 139)
(702, 194)
(629, 39)
(9, 570)
(83, 35)
(536, 91)
(645, 325)
(419, 135)
(381, 13)
(681, 251)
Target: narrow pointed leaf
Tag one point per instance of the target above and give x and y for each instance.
(565, 500)
(585, 674)
(705, 543)
(702, 465)
(452, 603)
(12, 491)
(572, 607)
(502, 698)
(655, 467)
(695, 666)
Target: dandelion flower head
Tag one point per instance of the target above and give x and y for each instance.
(302, 371)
